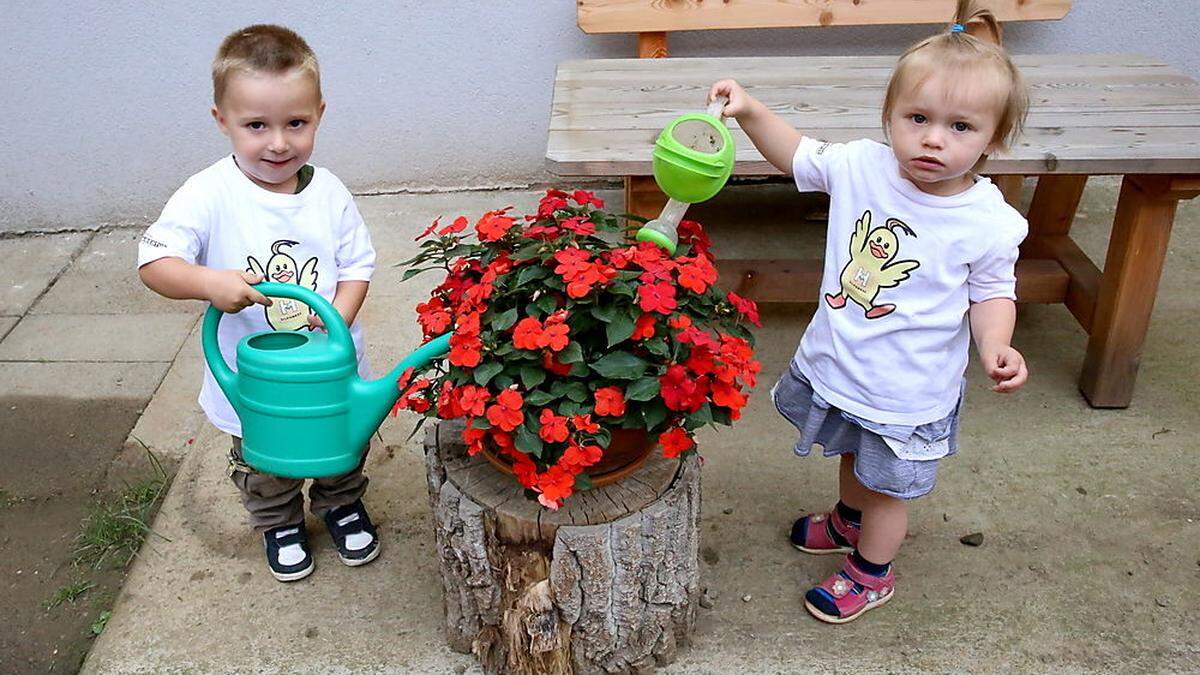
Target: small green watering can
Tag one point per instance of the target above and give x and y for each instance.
(305, 412)
(692, 159)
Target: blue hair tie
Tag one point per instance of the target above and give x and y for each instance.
(957, 28)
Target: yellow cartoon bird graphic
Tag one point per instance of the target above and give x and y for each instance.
(871, 266)
(286, 313)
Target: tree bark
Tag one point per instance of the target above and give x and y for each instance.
(609, 583)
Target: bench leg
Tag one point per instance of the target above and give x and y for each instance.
(1010, 186)
(1051, 213)
(1136, 250)
(642, 196)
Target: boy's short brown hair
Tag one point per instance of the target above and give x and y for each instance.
(262, 48)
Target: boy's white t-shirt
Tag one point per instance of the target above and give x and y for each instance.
(918, 262)
(220, 219)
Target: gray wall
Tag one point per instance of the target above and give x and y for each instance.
(104, 111)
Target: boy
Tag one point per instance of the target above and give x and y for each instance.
(264, 212)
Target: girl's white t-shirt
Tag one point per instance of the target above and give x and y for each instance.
(890, 339)
(220, 219)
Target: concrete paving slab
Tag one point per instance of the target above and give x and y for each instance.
(82, 380)
(1097, 507)
(104, 280)
(30, 264)
(6, 324)
(96, 337)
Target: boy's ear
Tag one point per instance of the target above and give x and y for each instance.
(216, 113)
(321, 111)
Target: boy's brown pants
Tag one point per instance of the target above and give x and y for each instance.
(274, 501)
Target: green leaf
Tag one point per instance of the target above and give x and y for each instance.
(654, 413)
(546, 303)
(539, 398)
(657, 347)
(528, 441)
(578, 392)
(572, 353)
(485, 371)
(410, 273)
(569, 408)
(532, 376)
(620, 366)
(624, 289)
(644, 389)
(530, 273)
(527, 251)
(503, 381)
(699, 418)
(505, 320)
(578, 370)
(582, 482)
(619, 329)
(721, 415)
(604, 312)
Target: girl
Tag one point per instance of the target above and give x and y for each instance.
(918, 248)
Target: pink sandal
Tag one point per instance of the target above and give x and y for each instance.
(811, 533)
(838, 593)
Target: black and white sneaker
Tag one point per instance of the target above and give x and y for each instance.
(353, 533)
(287, 552)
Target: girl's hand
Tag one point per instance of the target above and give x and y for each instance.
(1006, 367)
(315, 322)
(740, 103)
(231, 291)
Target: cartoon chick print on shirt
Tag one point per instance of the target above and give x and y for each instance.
(285, 313)
(873, 266)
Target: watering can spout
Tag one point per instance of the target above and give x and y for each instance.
(372, 399)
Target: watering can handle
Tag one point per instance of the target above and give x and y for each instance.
(718, 104)
(335, 325)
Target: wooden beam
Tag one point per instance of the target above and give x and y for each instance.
(1084, 277)
(1010, 186)
(634, 16)
(1136, 250)
(652, 45)
(766, 281)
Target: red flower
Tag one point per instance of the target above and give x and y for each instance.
(680, 392)
(579, 457)
(693, 235)
(659, 297)
(525, 470)
(700, 361)
(644, 328)
(494, 224)
(727, 395)
(610, 401)
(506, 413)
(676, 442)
(555, 485)
(554, 427)
(696, 274)
(460, 223)
(465, 350)
(429, 230)
(527, 333)
(472, 399)
(433, 316)
(553, 201)
(746, 308)
(449, 406)
(474, 439)
(554, 336)
(584, 423)
(580, 225)
(553, 365)
(583, 198)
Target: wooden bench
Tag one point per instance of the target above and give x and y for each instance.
(1090, 115)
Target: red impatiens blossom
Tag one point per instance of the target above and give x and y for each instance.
(746, 308)
(474, 438)
(554, 427)
(676, 442)
(580, 225)
(472, 399)
(465, 350)
(701, 361)
(644, 328)
(696, 274)
(610, 402)
(555, 485)
(659, 297)
(584, 424)
(531, 334)
(494, 224)
(506, 412)
(429, 230)
(553, 201)
(680, 392)
(525, 470)
(552, 364)
(460, 223)
(583, 198)
(448, 405)
(580, 272)
(433, 316)
(691, 234)
(527, 333)
(577, 457)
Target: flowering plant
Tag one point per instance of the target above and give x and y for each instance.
(564, 330)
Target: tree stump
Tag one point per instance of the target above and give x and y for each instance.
(606, 584)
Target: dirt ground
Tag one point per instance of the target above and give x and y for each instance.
(57, 456)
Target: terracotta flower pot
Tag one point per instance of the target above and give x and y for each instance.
(624, 455)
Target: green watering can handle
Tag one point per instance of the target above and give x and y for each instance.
(339, 334)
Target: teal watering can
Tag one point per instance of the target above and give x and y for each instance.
(305, 412)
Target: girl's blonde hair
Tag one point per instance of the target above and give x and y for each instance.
(971, 49)
(262, 48)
